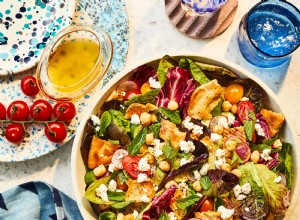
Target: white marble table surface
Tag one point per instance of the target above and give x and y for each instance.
(152, 35)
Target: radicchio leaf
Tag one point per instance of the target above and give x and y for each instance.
(159, 204)
(243, 151)
(264, 125)
(178, 87)
(223, 179)
(142, 74)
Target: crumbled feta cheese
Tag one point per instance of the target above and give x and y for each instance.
(157, 152)
(187, 146)
(220, 162)
(244, 99)
(151, 150)
(172, 216)
(95, 119)
(260, 131)
(278, 179)
(111, 167)
(97, 128)
(123, 93)
(220, 153)
(247, 209)
(197, 175)
(241, 197)
(119, 190)
(156, 142)
(223, 122)
(183, 187)
(246, 188)
(112, 185)
(135, 119)
(215, 137)
(187, 123)
(143, 165)
(135, 214)
(142, 178)
(199, 194)
(155, 84)
(121, 156)
(277, 144)
(197, 130)
(225, 213)
(144, 198)
(204, 169)
(237, 190)
(155, 188)
(266, 154)
(183, 161)
(230, 119)
(101, 192)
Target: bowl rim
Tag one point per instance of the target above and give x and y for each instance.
(223, 62)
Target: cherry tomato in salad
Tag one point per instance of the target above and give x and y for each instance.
(208, 205)
(234, 93)
(130, 93)
(64, 111)
(15, 133)
(243, 110)
(29, 86)
(18, 111)
(130, 165)
(41, 110)
(55, 132)
(2, 111)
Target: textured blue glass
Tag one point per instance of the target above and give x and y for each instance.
(203, 6)
(269, 33)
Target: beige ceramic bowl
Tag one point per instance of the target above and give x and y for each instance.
(78, 168)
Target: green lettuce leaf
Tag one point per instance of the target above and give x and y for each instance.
(107, 216)
(286, 165)
(186, 202)
(104, 122)
(137, 142)
(119, 119)
(90, 193)
(197, 73)
(121, 205)
(218, 109)
(172, 115)
(115, 196)
(148, 97)
(154, 128)
(163, 216)
(169, 152)
(165, 63)
(205, 182)
(249, 125)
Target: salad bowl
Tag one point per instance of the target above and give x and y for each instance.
(271, 102)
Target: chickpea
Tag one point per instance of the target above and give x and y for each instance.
(164, 166)
(144, 149)
(218, 129)
(151, 107)
(149, 138)
(226, 106)
(234, 109)
(149, 157)
(145, 118)
(100, 170)
(237, 172)
(120, 216)
(154, 118)
(172, 105)
(230, 145)
(226, 166)
(129, 217)
(255, 156)
(170, 183)
(197, 186)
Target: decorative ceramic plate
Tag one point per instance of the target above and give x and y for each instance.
(25, 28)
(115, 23)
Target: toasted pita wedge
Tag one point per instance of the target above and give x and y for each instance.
(275, 120)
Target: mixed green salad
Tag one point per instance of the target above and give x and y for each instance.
(187, 140)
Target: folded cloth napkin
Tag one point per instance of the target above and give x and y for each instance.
(37, 200)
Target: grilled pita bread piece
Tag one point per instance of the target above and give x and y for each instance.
(275, 120)
(169, 132)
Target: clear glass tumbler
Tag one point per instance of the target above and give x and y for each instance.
(269, 33)
(203, 6)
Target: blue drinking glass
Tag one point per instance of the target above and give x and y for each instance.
(203, 6)
(269, 33)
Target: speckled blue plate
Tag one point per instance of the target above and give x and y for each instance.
(107, 14)
(25, 28)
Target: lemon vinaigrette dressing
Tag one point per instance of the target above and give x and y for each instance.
(71, 63)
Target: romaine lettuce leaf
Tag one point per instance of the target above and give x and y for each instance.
(165, 63)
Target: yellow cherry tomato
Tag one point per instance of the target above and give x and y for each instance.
(234, 93)
(145, 88)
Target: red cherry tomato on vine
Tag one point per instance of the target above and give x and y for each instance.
(29, 86)
(130, 93)
(130, 165)
(2, 111)
(64, 111)
(243, 110)
(15, 133)
(55, 132)
(18, 111)
(41, 110)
